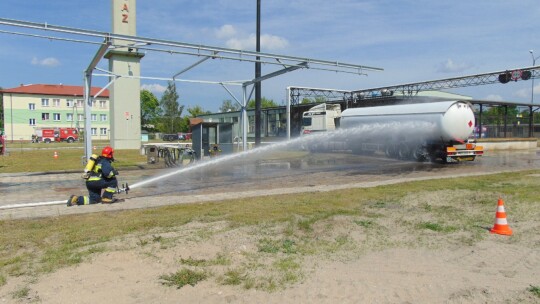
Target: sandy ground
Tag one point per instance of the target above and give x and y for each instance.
(385, 264)
(471, 275)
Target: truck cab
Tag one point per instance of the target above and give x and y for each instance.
(320, 118)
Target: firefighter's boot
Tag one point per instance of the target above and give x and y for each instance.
(72, 201)
(107, 200)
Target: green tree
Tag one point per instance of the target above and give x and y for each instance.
(150, 110)
(318, 99)
(265, 103)
(196, 111)
(193, 112)
(495, 115)
(172, 110)
(228, 106)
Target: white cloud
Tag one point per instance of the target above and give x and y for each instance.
(494, 97)
(226, 31)
(271, 42)
(47, 62)
(236, 43)
(154, 88)
(268, 42)
(450, 67)
(524, 93)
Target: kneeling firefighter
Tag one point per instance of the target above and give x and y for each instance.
(100, 177)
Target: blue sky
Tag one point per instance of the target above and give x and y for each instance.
(412, 40)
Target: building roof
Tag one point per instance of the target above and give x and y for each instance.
(54, 89)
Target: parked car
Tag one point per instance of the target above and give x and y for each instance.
(178, 136)
(184, 136)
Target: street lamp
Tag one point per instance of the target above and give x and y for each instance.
(532, 75)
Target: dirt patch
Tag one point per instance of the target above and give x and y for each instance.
(379, 256)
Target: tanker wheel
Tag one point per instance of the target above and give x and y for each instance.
(391, 151)
(418, 155)
(70, 140)
(403, 151)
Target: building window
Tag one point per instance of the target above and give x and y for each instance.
(102, 117)
(103, 104)
(44, 102)
(102, 131)
(44, 116)
(93, 117)
(93, 131)
(69, 103)
(56, 116)
(251, 124)
(80, 117)
(32, 121)
(56, 103)
(235, 119)
(69, 117)
(80, 103)
(31, 106)
(93, 103)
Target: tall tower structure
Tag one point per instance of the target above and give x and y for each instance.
(124, 59)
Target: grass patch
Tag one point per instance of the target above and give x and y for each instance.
(36, 246)
(287, 264)
(436, 227)
(183, 277)
(21, 293)
(234, 277)
(274, 246)
(70, 157)
(364, 223)
(535, 290)
(220, 260)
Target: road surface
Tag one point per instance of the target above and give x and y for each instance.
(239, 178)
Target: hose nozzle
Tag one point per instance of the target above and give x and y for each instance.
(125, 188)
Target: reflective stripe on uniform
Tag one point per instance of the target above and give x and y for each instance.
(110, 189)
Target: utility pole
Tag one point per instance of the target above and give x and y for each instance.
(532, 87)
(258, 83)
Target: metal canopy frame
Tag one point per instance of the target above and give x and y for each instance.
(169, 46)
(410, 89)
(289, 63)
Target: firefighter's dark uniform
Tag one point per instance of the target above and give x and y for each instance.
(103, 176)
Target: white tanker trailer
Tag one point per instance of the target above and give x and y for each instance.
(434, 131)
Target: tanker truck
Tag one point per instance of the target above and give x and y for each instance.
(435, 131)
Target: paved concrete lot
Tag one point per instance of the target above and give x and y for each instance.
(322, 172)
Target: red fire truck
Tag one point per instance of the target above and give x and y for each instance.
(48, 135)
(2, 143)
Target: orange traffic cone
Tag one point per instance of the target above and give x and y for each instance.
(55, 155)
(501, 225)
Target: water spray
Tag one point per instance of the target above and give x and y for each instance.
(350, 134)
(356, 133)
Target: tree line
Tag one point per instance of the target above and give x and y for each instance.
(165, 115)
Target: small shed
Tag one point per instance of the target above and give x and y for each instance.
(206, 135)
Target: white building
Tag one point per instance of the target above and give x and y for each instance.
(28, 107)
